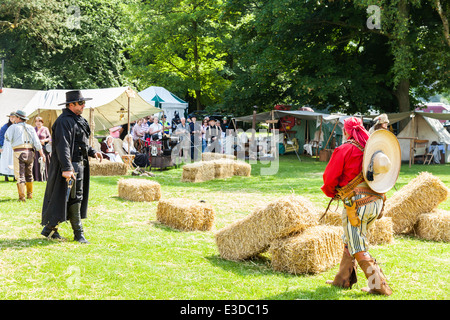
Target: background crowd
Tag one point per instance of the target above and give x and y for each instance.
(185, 135)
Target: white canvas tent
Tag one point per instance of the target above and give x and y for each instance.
(108, 107)
(164, 99)
(12, 99)
(424, 128)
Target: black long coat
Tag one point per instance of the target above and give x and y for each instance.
(54, 208)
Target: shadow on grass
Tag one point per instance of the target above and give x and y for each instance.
(19, 244)
(325, 292)
(256, 265)
(9, 200)
(163, 227)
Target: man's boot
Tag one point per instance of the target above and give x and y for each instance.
(29, 190)
(346, 276)
(51, 233)
(21, 189)
(374, 275)
(73, 213)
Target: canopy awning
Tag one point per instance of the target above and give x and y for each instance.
(109, 106)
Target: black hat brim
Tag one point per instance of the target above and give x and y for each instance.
(67, 102)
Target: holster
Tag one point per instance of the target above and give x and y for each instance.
(351, 214)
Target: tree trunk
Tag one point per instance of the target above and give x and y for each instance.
(402, 89)
(402, 95)
(198, 91)
(444, 19)
(198, 94)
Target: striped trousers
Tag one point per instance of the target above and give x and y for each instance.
(355, 237)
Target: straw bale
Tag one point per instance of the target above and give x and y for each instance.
(209, 156)
(139, 190)
(332, 218)
(107, 168)
(381, 231)
(316, 250)
(185, 214)
(421, 195)
(223, 168)
(253, 234)
(434, 226)
(198, 171)
(242, 168)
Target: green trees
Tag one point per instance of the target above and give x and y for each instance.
(62, 44)
(325, 53)
(179, 44)
(338, 55)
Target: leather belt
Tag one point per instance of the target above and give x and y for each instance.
(22, 149)
(370, 196)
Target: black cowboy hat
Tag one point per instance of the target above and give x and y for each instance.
(74, 96)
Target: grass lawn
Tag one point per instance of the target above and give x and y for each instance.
(131, 256)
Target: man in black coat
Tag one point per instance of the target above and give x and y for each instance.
(70, 152)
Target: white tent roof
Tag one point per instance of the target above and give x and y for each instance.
(12, 99)
(107, 105)
(161, 95)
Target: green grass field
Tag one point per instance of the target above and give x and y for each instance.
(131, 256)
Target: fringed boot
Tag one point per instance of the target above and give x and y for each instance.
(346, 276)
(376, 279)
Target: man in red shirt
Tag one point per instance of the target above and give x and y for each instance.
(345, 170)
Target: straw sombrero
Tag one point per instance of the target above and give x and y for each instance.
(381, 161)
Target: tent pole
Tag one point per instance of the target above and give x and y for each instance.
(92, 126)
(318, 141)
(331, 134)
(128, 128)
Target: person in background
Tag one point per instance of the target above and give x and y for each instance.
(139, 135)
(382, 122)
(195, 131)
(6, 152)
(40, 168)
(204, 126)
(140, 159)
(183, 133)
(156, 129)
(23, 140)
(107, 147)
(213, 135)
(166, 125)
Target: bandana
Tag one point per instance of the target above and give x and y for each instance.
(354, 128)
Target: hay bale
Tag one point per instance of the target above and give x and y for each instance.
(253, 234)
(107, 168)
(185, 214)
(223, 168)
(139, 190)
(332, 218)
(381, 232)
(434, 226)
(316, 250)
(198, 171)
(421, 195)
(242, 168)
